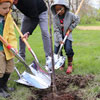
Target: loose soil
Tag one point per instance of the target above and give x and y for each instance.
(61, 91)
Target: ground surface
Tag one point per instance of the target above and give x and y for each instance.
(66, 83)
(62, 85)
(88, 27)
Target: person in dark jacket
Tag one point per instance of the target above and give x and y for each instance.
(35, 12)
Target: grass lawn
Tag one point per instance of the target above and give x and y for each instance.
(97, 23)
(86, 47)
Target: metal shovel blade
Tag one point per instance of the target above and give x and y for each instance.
(59, 61)
(38, 81)
(35, 81)
(23, 81)
(40, 73)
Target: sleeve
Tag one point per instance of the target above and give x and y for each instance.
(57, 33)
(75, 21)
(12, 40)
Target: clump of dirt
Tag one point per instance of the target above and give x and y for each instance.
(31, 98)
(62, 83)
(62, 96)
(98, 96)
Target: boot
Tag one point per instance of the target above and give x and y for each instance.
(69, 69)
(3, 93)
(5, 87)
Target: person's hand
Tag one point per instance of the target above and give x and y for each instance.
(16, 51)
(62, 25)
(15, 2)
(61, 42)
(25, 36)
(70, 30)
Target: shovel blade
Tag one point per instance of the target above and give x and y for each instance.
(40, 73)
(36, 81)
(31, 80)
(59, 61)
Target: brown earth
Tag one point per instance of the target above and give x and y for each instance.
(62, 84)
(64, 81)
(88, 27)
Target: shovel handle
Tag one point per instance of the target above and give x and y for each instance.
(22, 36)
(27, 44)
(5, 42)
(66, 35)
(79, 7)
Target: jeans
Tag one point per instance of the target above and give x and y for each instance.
(28, 25)
(67, 47)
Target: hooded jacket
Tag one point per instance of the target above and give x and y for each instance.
(70, 22)
(9, 35)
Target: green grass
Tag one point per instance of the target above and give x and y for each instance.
(86, 46)
(97, 23)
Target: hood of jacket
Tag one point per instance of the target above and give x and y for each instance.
(59, 2)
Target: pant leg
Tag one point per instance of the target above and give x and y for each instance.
(28, 25)
(2, 64)
(56, 49)
(68, 48)
(43, 22)
(9, 66)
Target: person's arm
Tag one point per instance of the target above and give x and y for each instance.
(57, 32)
(75, 21)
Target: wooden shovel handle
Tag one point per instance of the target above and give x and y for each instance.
(79, 7)
(67, 33)
(22, 36)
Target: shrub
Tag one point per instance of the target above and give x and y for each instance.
(87, 20)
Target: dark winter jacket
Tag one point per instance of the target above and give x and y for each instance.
(31, 8)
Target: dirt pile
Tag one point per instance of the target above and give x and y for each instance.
(62, 84)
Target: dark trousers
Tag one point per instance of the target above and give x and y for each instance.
(67, 47)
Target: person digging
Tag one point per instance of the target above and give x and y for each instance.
(6, 57)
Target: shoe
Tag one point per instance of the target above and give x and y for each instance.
(62, 67)
(3, 93)
(69, 70)
(49, 62)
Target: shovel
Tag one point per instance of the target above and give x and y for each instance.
(36, 62)
(31, 76)
(15, 53)
(28, 46)
(30, 80)
(68, 32)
